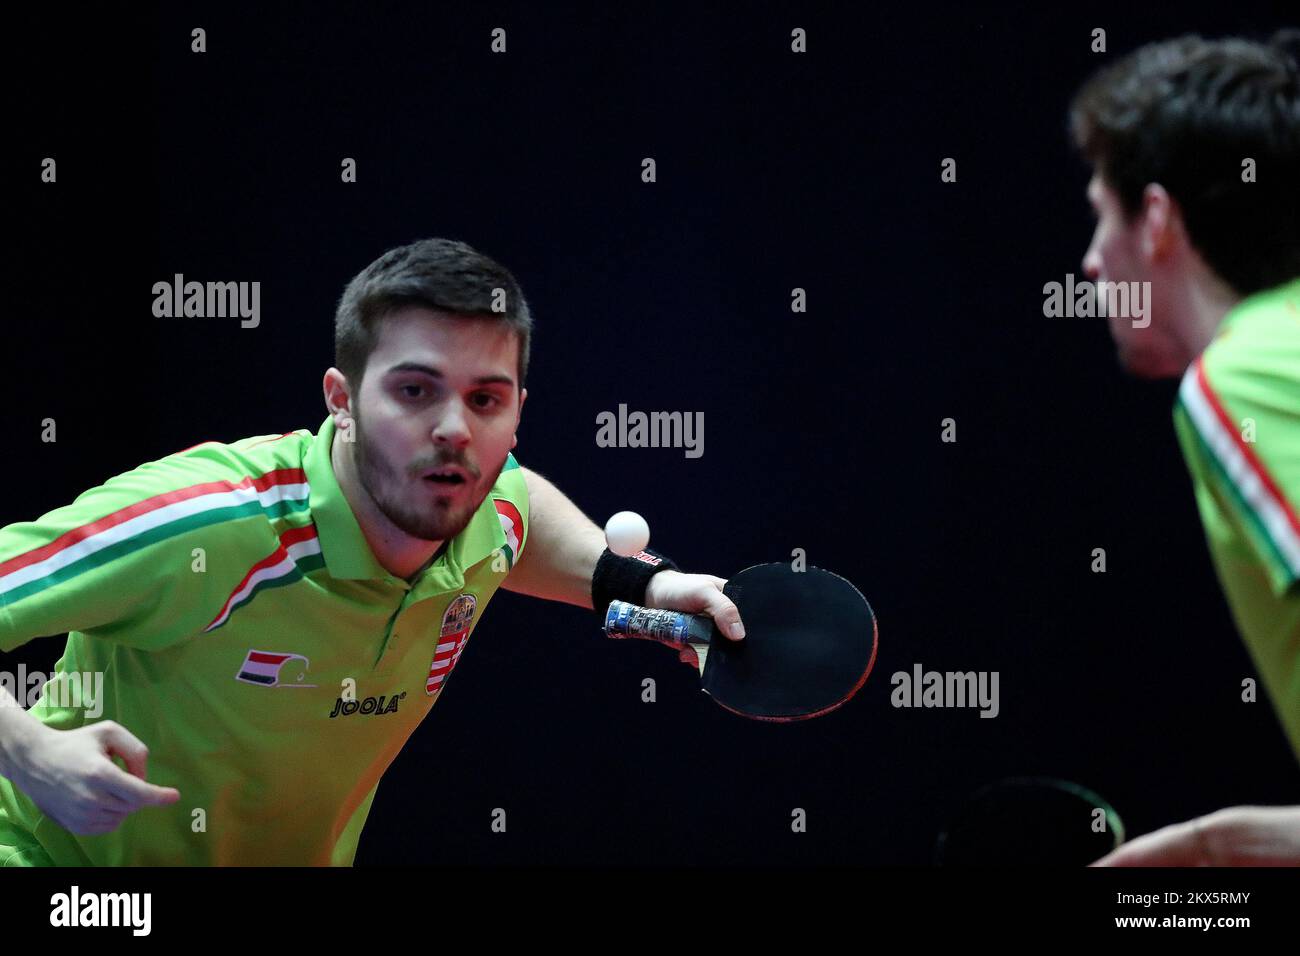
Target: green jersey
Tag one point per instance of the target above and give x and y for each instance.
(223, 606)
(1238, 421)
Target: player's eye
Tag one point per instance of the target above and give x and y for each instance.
(411, 391)
(492, 400)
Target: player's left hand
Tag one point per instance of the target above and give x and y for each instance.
(695, 594)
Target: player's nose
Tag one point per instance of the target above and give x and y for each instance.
(1092, 263)
(452, 427)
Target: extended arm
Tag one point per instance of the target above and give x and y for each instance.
(561, 550)
(560, 554)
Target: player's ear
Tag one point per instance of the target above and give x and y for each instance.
(1159, 221)
(337, 391)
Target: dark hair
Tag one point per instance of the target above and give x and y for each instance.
(1185, 113)
(441, 274)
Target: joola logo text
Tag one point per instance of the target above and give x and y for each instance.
(371, 705)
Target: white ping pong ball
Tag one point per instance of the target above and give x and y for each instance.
(626, 533)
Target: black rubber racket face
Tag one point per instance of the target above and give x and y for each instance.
(810, 642)
(1030, 822)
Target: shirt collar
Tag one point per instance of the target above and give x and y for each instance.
(1287, 291)
(345, 549)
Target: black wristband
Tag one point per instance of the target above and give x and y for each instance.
(625, 579)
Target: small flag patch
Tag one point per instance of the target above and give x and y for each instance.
(272, 669)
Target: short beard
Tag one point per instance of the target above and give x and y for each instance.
(386, 487)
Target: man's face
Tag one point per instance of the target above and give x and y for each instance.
(439, 391)
(1120, 252)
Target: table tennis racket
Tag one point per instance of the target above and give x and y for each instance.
(810, 642)
(1029, 821)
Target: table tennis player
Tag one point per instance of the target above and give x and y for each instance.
(274, 617)
(1195, 148)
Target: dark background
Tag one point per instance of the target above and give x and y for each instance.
(822, 430)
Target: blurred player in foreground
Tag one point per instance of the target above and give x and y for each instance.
(1195, 148)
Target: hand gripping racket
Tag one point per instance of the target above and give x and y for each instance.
(810, 642)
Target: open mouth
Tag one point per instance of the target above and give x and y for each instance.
(446, 477)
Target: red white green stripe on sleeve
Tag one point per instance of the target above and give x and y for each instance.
(512, 524)
(145, 523)
(1258, 495)
(298, 553)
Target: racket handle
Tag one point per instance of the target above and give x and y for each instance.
(674, 628)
